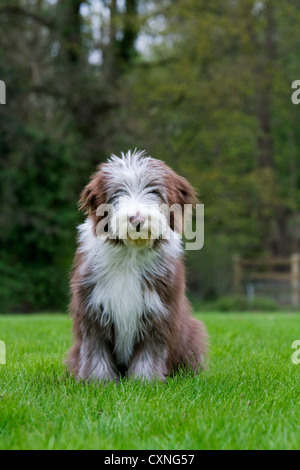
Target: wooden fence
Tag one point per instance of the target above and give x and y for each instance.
(255, 270)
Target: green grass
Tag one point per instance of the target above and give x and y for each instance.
(249, 398)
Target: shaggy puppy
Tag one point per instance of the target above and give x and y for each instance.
(130, 312)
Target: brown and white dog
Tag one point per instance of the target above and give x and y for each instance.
(130, 312)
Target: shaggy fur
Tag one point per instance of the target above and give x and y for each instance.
(130, 313)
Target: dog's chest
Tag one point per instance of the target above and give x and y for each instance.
(124, 300)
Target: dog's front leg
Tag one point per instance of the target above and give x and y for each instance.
(148, 363)
(96, 362)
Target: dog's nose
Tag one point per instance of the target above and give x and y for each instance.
(137, 220)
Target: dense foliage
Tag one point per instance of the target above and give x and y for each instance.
(205, 86)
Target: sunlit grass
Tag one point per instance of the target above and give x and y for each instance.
(249, 398)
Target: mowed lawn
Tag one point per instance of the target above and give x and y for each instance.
(249, 397)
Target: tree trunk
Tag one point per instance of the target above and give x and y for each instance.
(265, 81)
(70, 20)
(127, 51)
(120, 52)
(281, 243)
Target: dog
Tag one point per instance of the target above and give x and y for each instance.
(130, 313)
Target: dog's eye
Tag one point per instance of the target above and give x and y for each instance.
(116, 196)
(110, 200)
(156, 192)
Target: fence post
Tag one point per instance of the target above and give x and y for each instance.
(238, 274)
(295, 258)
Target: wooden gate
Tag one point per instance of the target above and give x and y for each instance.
(268, 269)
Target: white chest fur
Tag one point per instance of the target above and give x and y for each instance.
(120, 294)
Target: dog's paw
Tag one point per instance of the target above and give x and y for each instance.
(146, 375)
(101, 372)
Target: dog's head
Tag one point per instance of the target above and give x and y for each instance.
(136, 200)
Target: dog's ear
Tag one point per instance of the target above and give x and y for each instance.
(180, 193)
(179, 190)
(87, 201)
(94, 194)
(184, 192)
